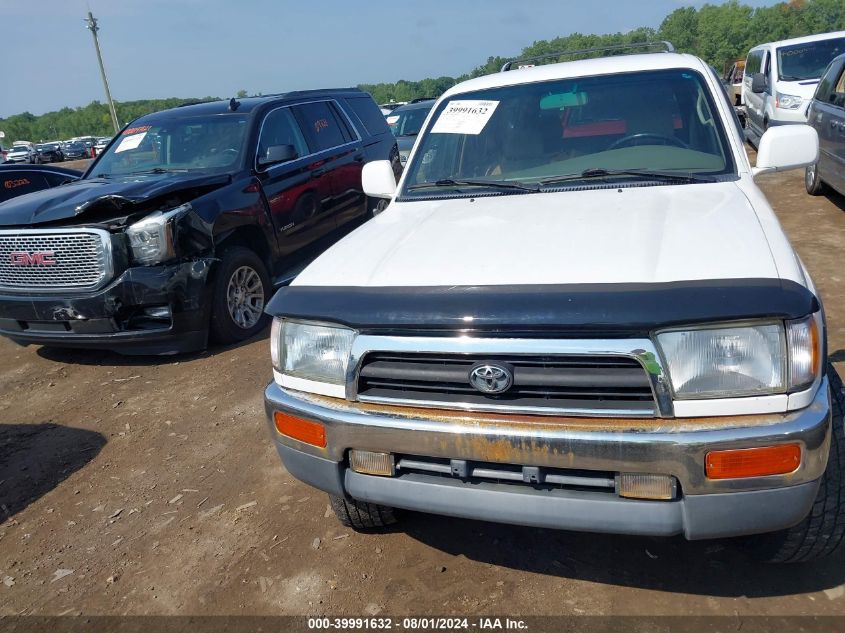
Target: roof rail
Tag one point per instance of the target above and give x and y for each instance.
(666, 47)
(419, 99)
(197, 101)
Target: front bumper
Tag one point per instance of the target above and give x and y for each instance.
(113, 317)
(703, 509)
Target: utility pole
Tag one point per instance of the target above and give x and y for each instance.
(91, 25)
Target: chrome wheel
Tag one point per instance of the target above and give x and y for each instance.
(245, 297)
(810, 176)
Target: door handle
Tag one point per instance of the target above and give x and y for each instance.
(317, 173)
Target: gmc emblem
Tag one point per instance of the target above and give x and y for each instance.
(38, 258)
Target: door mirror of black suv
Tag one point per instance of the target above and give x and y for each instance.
(277, 154)
(758, 83)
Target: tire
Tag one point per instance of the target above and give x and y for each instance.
(821, 533)
(812, 181)
(375, 206)
(361, 516)
(236, 316)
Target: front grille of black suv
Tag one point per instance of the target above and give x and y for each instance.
(615, 385)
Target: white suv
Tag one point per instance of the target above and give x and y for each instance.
(578, 311)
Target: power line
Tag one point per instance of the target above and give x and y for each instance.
(91, 25)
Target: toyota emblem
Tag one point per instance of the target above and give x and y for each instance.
(491, 378)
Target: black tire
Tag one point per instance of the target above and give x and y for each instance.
(812, 181)
(362, 516)
(821, 533)
(224, 327)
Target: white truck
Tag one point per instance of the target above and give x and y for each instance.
(578, 311)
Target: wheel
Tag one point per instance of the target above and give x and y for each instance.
(813, 182)
(241, 289)
(376, 206)
(361, 516)
(821, 533)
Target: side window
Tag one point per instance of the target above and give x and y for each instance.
(321, 125)
(369, 114)
(838, 96)
(280, 128)
(752, 65)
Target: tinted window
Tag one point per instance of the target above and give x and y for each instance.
(368, 113)
(838, 96)
(825, 90)
(321, 125)
(14, 184)
(280, 128)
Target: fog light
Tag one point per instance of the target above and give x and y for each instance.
(303, 430)
(752, 462)
(636, 486)
(158, 312)
(370, 463)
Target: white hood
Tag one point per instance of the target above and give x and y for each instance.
(644, 234)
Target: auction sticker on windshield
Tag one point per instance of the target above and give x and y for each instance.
(130, 142)
(464, 117)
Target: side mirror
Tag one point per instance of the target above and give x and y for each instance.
(787, 147)
(378, 179)
(277, 154)
(758, 83)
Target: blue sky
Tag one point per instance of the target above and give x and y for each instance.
(193, 48)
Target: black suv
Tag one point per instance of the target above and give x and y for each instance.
(186, 222)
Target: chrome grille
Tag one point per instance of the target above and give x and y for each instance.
(82, 259)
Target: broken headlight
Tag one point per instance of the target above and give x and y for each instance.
(152, 238)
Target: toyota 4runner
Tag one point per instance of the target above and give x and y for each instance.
(578, 311)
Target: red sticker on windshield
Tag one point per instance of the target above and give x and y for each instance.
(11, 184)
(136, 130)
(321, 124)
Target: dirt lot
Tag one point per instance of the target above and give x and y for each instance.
(151, 487)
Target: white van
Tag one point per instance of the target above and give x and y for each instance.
(781, 77)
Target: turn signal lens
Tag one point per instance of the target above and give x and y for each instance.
(636, 486)
(753, 462)
(303, 430)
(804, 351)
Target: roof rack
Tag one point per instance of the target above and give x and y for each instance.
(419, 99)
(666, 47)
(197, 101)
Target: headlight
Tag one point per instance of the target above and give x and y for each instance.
(151, 239)
(787, 102)
(310, 351)
(726, 361)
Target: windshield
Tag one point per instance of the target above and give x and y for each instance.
(808, 61)
(408, 122)
(212, 143)
(538, 132)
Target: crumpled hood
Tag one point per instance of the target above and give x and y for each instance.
(637, 234)
(73, 199)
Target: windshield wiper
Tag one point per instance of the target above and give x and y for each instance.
(157, 170)
(645, 174)
(495, 184)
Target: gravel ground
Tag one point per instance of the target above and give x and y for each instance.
(133, 486)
